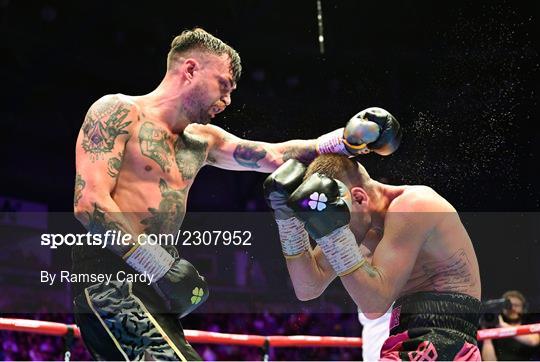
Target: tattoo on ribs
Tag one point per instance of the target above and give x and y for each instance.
(79, 186)
(302, 154)
(168, 217)
(114, 165)
(102, 125)
(190, 154)
(452, 274)
(154, 143)
(247, 154)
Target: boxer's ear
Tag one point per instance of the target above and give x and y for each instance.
(360, 196)
(188, 69)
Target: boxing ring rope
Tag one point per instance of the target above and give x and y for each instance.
(194, 336)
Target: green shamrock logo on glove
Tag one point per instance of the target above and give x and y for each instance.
(197, 295)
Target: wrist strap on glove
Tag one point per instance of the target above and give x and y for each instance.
(332, 143)
(341, 250)
(150, 259)
(294, 238)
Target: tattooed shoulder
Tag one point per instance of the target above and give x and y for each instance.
(106, 120)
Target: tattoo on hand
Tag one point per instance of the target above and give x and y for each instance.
(154, 143)
(168, 217)
(248, 154)
(114, 165)
(79, 186)
(102, 125)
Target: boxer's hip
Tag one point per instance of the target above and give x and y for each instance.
(433, 326)
(118, 324)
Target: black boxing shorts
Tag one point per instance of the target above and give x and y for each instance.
(430, 326)
(118, 325)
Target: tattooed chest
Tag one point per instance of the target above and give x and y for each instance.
(173, 155)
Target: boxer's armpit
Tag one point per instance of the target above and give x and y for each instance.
(104, 122)
(114, 165)
(190, 154)
(248, 154)
(79, 187)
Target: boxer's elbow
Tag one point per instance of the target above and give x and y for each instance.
(85, 206)
(307, 293)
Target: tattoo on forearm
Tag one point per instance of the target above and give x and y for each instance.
(79, 186)
(369, 269)
(114, 165)
(168, 217)
(103, 124)
(98, 222)
(302, 154)
(154, 143)
(247, 154)
(452, 274)
(190, 153)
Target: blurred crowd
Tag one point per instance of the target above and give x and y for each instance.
(511, 310)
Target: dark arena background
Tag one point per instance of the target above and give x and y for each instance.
(460, 76)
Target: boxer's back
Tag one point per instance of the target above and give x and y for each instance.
(446, 261)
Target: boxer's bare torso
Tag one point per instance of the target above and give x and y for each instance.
(446, 261)
(419, 244)
(150, 167)
(134, 170)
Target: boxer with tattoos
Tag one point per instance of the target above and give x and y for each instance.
(421, 256)
(136, 159)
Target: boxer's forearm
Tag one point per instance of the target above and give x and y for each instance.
(308, 279)
(304, 151)
(367, 288)
(267, 157)
(99, 214)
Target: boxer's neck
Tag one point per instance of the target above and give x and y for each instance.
(381, 196)
(165, 104)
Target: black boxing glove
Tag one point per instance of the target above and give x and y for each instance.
(372, 129)
(175, 280)
(389, 131)
(324, 205)
(281, 184)
(277, 189)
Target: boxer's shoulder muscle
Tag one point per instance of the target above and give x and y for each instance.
(420, 198)
(108, 119)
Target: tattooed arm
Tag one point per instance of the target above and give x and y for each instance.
(99, 153)
(311, 273)
(233, 153)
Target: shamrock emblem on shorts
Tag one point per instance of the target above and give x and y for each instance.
(197, 295)
(317, 201)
